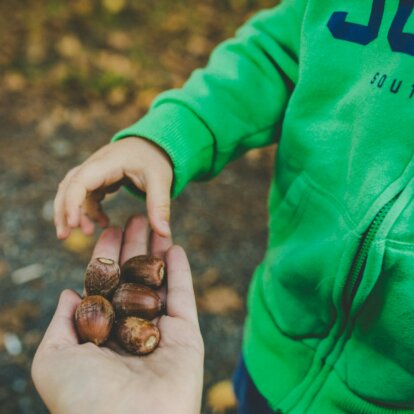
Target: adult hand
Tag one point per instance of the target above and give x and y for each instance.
(83, 378)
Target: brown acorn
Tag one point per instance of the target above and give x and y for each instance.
(102, 277)
(137, 300)
(146, 269)
(94, 318)
(137, 335)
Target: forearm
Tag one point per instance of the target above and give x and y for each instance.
(235, 103)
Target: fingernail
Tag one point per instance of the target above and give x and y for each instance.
(165, 227)
(61, 233)
(71, 221)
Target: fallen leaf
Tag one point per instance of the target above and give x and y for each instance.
(113, 6)
(69, 46)
(210, 276)
(14, 81)
(254, 156)
(116, 63)
(220, 300)
(175, 22)
(146, 96)
(78, 242)
(78, 120)
(221, 397)
(198, 45)
(119, 40)
(238, 5)
(117, 96)
(81, 7)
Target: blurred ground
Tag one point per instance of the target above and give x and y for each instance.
(72, 74)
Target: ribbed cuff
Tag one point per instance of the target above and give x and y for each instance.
(182, 135)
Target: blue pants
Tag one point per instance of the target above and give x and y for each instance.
(250, 401)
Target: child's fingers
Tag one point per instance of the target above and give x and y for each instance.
(86, 225)
(181, 300)
(91, 176)
(158, 188)
(160, 245)
(62, 228)
(93, 209)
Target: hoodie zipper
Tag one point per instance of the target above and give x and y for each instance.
(359, 264)
(360, 260)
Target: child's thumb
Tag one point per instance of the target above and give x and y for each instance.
(158, 204)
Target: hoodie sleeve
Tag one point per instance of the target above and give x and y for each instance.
(233, 104)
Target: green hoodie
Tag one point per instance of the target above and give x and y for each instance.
(331, 307)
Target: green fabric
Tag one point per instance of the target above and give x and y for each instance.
(330, 327)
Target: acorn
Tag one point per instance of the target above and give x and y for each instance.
(131, 299)
(102, 277)
(146, 269)
(94, 318)
(137, 335)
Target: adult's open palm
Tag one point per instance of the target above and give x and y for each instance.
(83, 378)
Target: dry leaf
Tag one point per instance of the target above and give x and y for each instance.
(238, 5)
(210, 276)
(119, 40)
(78, 242)
(46, 127)
(117, 96)
(198, 45)
(113, 6)
(254, 156)
(220, 397)
(220, 300)
(81, 7)
(146, 96)
(78, 120)
(175, 23)
(14, 82)
(116, 63)
(69, 46)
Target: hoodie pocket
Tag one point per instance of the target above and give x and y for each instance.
(378, 360)
(309, 230)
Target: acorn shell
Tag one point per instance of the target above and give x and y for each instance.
(102, 277)
(146, 269)
(94, 318)
(137, 335)
(131, 299)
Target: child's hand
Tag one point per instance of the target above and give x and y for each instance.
(147, 166)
